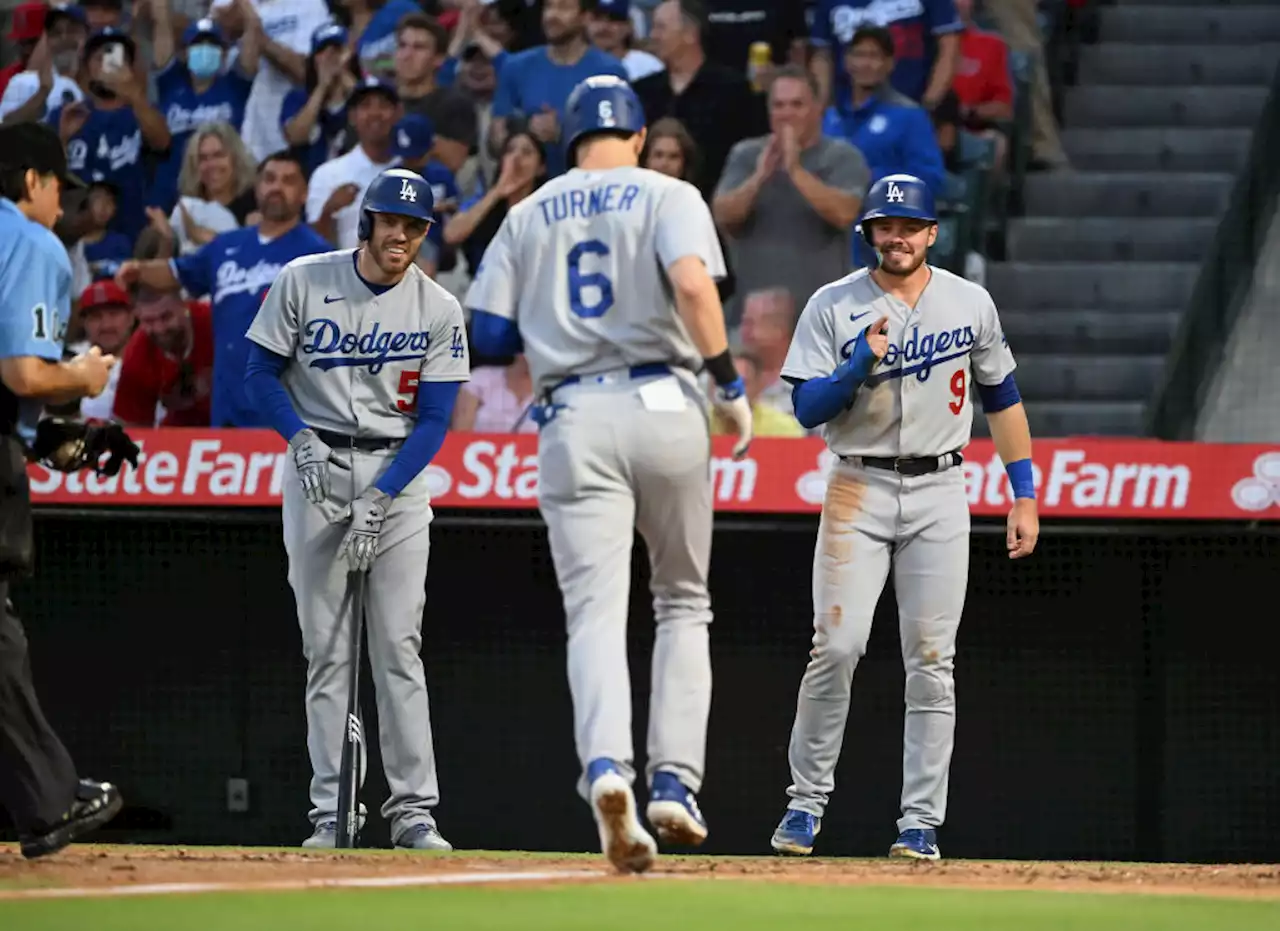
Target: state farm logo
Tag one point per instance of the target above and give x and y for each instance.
(1261, 490)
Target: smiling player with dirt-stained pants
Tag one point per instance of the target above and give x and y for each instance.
(357, 360)
(886, 361)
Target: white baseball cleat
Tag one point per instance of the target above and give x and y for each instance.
(626, 844)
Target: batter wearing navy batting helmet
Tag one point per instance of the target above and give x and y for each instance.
(605, 279)
(357, 360)
(886, 361)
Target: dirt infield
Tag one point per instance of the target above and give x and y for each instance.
(114, 866)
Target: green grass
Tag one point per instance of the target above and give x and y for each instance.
(652, 906)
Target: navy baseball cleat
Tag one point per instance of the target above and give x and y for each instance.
(673, 812)
(917, 844)
(795, 834)
(95, 804)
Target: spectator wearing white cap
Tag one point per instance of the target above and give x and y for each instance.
(413, 142)
(284, 29)
(314, 116)
(195, 87)
(50, 78)
(611, 29)
(333, 200)
(105, 134)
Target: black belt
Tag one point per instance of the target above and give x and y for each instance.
(368, 444)
(919, 465)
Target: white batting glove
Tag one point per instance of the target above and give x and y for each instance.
(313, 457)
(731, 403)
(360, 545)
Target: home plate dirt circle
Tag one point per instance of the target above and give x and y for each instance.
(109, 870)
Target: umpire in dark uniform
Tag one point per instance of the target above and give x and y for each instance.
(39, 786)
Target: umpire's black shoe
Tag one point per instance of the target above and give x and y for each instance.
(96, 803)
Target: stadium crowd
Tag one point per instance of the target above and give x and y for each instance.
(220, 140)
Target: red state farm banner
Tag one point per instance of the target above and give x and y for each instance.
(1074, 477)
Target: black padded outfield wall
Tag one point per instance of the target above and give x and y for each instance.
(1117, 692)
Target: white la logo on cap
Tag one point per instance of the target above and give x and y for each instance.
(895, 195)
(407, 191)
(403, 139)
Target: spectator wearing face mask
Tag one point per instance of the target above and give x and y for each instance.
(284, 29)
(49, 80)
(195, 88)
(413, 143)
(106, 133)
(314, 116)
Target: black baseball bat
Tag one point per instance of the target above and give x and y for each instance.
(353, 733)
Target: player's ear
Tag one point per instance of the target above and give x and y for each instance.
(933, 234)
(637, 141)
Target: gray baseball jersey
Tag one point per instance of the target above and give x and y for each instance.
(918, 401)
(580, 267)
(359, 356)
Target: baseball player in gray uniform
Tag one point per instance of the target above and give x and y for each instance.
(886, 361)
(357, 360)
(605, 279)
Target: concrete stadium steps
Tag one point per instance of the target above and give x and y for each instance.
(1241, 24)
(1126, 194)
(1111, 239)
(1151, 149)
(1108, 331)
(1059, 377)
(1122, 63)
(1089, 285)
(1106, 105)
(1076, 418)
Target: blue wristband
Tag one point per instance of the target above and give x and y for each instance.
(1024, 484)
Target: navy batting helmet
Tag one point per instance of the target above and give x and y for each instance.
(396, 190)
(897, 196)
(603, 103)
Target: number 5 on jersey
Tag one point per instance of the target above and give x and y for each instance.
(580, 281)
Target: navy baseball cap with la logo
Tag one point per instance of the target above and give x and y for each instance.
(372, 85)
(413, 137)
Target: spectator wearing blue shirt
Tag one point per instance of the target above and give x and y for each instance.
(373, 23)
(926, 34)
(104, 135)
(536, 83)
(314, 116)
(194, 87)
(893, 133)
(413, 142)
(236, 270)
(104, 250)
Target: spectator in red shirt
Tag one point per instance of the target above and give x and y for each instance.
(25, 29)
(166, 374)
(982, 84)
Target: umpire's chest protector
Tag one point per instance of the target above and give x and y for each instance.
(17, 545)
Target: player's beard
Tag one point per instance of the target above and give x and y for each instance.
(393, 255)
(900, 263)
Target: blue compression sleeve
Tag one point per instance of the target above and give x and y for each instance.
(820, 399)
(262, 381)
(494, 336)
(435, 410)
(996, 398)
